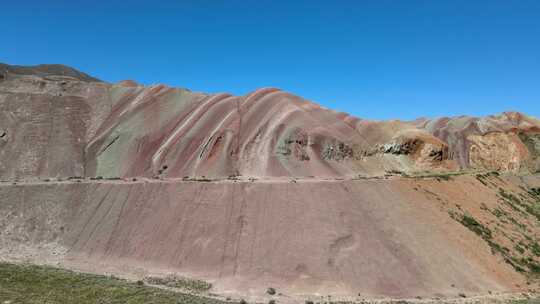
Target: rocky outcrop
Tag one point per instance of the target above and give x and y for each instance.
(491, 143)
(532, 142)
(497, 151)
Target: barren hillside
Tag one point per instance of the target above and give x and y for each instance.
(264, 190)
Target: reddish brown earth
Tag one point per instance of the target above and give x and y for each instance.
(263, 190)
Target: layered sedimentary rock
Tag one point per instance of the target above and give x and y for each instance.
(61, 126)
(277, 191)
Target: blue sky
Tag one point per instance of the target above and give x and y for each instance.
(375, 59)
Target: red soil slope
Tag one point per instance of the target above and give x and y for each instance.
(381, 237)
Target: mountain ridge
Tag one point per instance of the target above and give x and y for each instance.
(127, 130)
(62, 70)
(266, 190)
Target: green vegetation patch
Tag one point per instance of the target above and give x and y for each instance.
(531, 207)
(473, 225)
(535, 192)
(485, 233)
(196, 179)
(485, 178)
(510, 197)
(481, 179)
(525, 301)
(446, 176)
(40, 284)
(535, 249)
(499, 213)
(510, 223)
(180, 282)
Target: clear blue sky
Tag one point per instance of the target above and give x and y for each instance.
(374, 59)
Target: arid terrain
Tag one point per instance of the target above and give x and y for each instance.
(266, 190)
